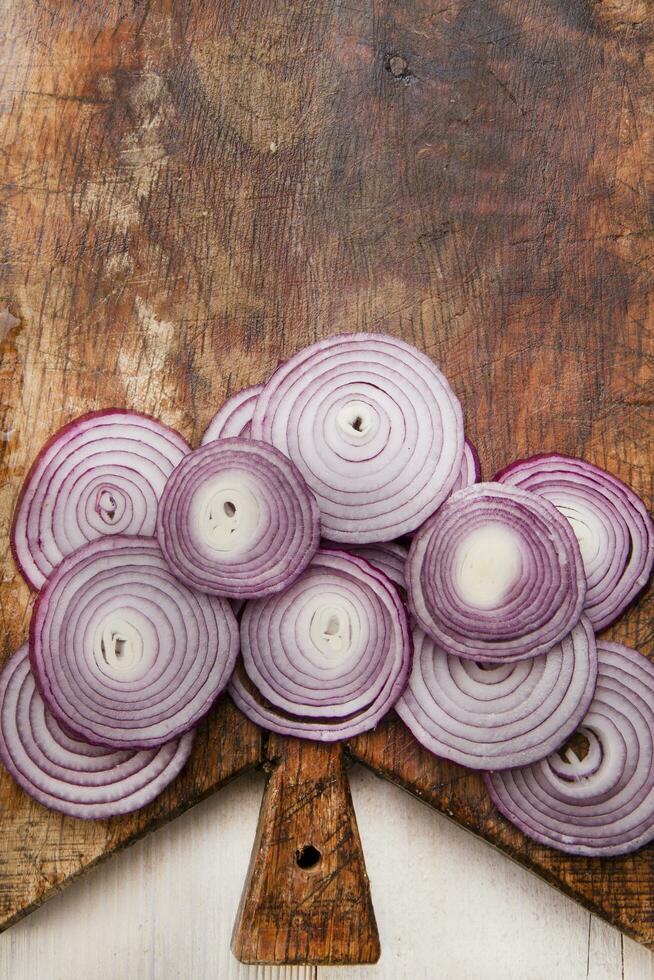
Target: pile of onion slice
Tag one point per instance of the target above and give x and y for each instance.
(500, 716)
(600, 802)
(496, 575)
(124, 654)
(614, 530)
(237, 519)
(101, 474)
(144, 550)
(69, 775)
(234, 417)
(374, 428)
(328, 657)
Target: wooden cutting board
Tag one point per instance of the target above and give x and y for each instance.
(192, 191)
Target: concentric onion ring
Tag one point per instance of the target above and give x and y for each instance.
(237, 519)
(388, 557)
(66, 774)
(496, 575)
(601, 804)
(328, 657)
(612, 525)
(101, 474)
(374, 428)
(234, 417)
(125, 655)
(502, 716)
(470, 471)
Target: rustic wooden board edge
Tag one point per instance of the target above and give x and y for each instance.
(522, 858)
(156, 824)
(227, 746)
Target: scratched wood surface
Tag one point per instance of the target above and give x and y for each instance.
(191, 191)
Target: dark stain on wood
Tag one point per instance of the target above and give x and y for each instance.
(191, 192)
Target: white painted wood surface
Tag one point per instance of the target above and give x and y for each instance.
(449, 907)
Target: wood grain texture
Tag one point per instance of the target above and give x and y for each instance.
(189, 192)
(307, 895)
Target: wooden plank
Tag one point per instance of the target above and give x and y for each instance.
(192, 191)
(307, 895)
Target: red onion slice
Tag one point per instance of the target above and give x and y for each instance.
(603, 803)
(234, 417)
(66, 774)
(101, 474)
(237, 519)
(501, 716)
(612, 525)
(124, 654)
(328, 657)
(496, 575)
(388, 557)
(470, 471)
(374, 428)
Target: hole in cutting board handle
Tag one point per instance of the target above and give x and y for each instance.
(307, 857)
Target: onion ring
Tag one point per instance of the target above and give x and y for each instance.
(496, 575)
(328, 657)
(125, 655)
(237, 519)
(374, 428)
(65, 774)
(503, 716)
(600, 804)
(102, 474)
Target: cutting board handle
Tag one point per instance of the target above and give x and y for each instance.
(307, 895)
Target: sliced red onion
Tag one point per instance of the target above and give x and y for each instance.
(470, 471)
(101, 474)
(237, 519)
(123, 653)
(602, 803)
(69, 775)
(612, 525)
(496, 575)
(235, 416)
(328, 657)
(503, 715)
(387, 557)
(374, 428)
